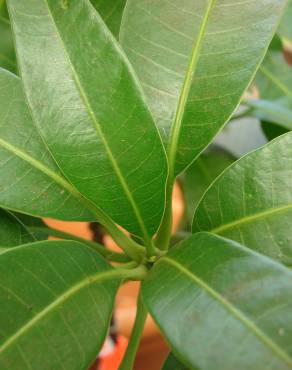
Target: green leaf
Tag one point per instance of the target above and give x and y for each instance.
(172, 363)
(111, 12)
(57, 297)
(90, 110)
(32, 222)
(272, 130)
(7, 53)
(274, 78)
(30, 181)
(285, 28)
(195, 59)
(201, 174)
(13, 232)
(278, 112)
(15, 229)
(222, 306)
(251, 202)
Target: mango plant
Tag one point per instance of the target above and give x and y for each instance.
(110, 102)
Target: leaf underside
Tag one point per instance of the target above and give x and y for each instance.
(278, 112)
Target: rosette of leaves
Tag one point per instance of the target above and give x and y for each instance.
(97, 127)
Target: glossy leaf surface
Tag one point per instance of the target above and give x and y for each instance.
(195, 59)
(56, 297)
(251, 202)
(200, 175)
(12, 231)
(30, 181)
(111, 12)
(90, 110)
(222, 306)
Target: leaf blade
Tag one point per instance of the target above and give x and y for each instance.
(13, 232)
(277, 112)
(26, 166)
(97, 155)
(86, 282)
(274, 78)
(201, 174)
(167, 56)
(7, 53)
(285, 28)
(257, 202)
(172, 363)
(212, 307)
(111, 12)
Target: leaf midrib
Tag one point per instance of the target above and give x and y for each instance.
(233, 310)
(100, 133)
(58, 302)
(41, 167)
(59, 180)
(194, 59)
(255, 217)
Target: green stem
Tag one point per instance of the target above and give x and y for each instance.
(129, 358)
(127, 266)
(111, 255)
(125, 274)
(137, 274)
(135, 251)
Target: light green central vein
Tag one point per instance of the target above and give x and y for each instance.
(233, 310)
(276, 81)
(58, 302)
(175, 130)
(119, 236)
(41, 167)
(101, 135)
(258, 216)
(59, 180)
